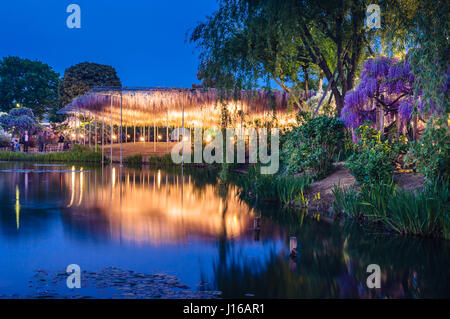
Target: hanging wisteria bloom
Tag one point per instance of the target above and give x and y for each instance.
(386, 83)
(20, 120)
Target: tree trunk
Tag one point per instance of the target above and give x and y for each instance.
(320, 81)
(305, 72)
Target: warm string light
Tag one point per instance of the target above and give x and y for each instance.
(163, 107)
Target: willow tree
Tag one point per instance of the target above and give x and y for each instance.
(279, 40)
(422, 29)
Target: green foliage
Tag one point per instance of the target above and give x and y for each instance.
(431, 153)
(290, 188)
(287, 41)
(133, 160)
(284, 189)
(313, 146)
(82, 77)
(425, 25)
(424, 213)
(372, 159)
(30, 84)
(77, 154)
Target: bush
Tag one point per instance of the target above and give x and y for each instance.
(372, 159)
(134, 160)
(431, 153)
(313, 146)
(5, 141)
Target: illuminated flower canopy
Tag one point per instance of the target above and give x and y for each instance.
(161, 106)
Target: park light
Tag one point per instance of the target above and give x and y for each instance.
(114, 137)
(159, 137)
(185, 138)
(142, 139)
(208, 138)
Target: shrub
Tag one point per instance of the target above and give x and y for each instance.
(431, 153)
(5, 141)
(372, 159)
(313, 146)
(133, 160)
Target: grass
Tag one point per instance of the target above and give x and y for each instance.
(425, 213)
(77, 154)
(272, 188)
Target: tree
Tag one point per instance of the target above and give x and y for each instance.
(422, 28)
(385, 93)
(279, 40)
(27, 83)
(80, 78)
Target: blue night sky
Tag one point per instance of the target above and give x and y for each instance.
(144, 40)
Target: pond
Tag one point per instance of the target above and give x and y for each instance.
(187, 225)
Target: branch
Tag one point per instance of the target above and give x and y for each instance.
(288, 90)
(330, 82)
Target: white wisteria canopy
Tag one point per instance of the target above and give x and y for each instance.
(166, 106)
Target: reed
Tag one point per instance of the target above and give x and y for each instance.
(424, 213)
(77, 154)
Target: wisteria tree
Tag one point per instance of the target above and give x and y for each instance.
(20, 120)
(384, 96)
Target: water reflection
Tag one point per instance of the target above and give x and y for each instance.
(155, 206)
(188, 223)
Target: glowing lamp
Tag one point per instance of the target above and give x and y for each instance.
(142, 139)
(114, 137)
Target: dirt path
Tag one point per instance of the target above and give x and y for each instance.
(342, 177)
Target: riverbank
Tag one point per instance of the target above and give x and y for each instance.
(79, 154)
(342, 178)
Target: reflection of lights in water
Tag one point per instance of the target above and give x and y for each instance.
(113, 177)
(157, 215)
(17, 207)
(73, 187)
(81, 186)
(159, 179)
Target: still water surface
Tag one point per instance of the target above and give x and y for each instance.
(189, 225)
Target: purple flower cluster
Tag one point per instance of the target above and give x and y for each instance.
(387, 79)
(19, 120)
